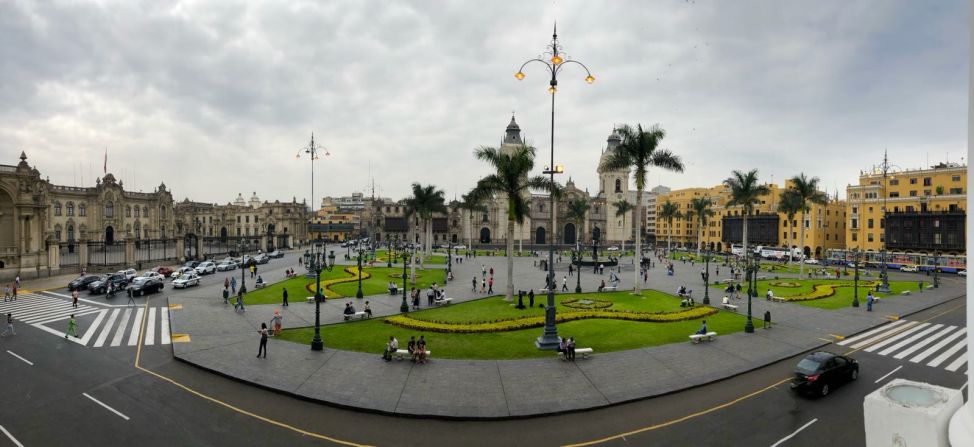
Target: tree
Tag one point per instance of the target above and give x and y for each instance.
(700, 208)
(510, 181)
(667, 212)
(789, 204)
(425, 201)
(806, 192)
(472, 203)
(577, 209)
(623, 207)
(745, 192)
(639, 150)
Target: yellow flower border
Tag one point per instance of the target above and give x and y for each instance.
(514, 324)
(325, 285)
(820, 291)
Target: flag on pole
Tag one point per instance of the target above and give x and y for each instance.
(105, 168)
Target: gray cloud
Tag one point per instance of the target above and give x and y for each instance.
(216, 98)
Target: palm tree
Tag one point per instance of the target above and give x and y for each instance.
(472, 203)
(807, 193)
(622, 207)
(789, 204)
(746, 192)
(700, 207)
(639, 150)
(576, 212)
(667, 212)
(425, 201)
(510, 180)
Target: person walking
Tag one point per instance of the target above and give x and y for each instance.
(72, 328)
(263, 340)
(10, 325)
(564, 283)
(767, 319)
(483, 285)
(367, 310)
(233, 285)
(253, 270)
(6, 292)
(391, 347)
(276, 321)
(473, 284)
(869, 301)
(490, 284)
(284, 297)
(239, 305)
(132, 298)
(74, 297)
(226, 283)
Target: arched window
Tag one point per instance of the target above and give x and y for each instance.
(109, 209)
(145, 211)
(162, 212)
(57, 208)
(82, 210)
(128, 211)
(618, 185)
(57, 232)
(137, 213)
(138, 228)
(70, 232)
(71, 208)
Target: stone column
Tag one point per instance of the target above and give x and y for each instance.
(82, 253)
(53, 258)
(181, 250)
(129, 251)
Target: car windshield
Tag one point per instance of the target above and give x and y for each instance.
(139, 280)
(808, 366)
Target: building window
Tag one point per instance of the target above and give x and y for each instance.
(137, 212)
(936, 239)
(70, 209)
(927, 181)
(957, 190)
(109, 209)
(913, 193)
(894, 194)
(162, 232)
(57, 209)
(247, 219)
(128, 211)
(238, 221)
(82, 210)
(955, 178)
(57, 235)
(855, 223)
(894, 182)
(162, 212)
(855, 209)
(618, 185)
(70, 232)
(869, 237)
(926, 192)
(913, 181)
(869, 223)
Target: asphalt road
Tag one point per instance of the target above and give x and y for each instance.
(48, 403)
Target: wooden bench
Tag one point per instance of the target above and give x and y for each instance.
(585, 352)
(310, 299)
(260, 285)
(697, 338)
(444, 301)
(779, 299)
(609, 288)
(905, 292)
(403, 353)
(358, 314)
(729, 306)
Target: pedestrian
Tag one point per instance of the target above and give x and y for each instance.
(473, 284)
(226, 283)
(601, 269)
(74, 297)
(571, 349)
(72, 328)
(10, 325)
(564, 283)
(263, 340)
(531, 298)
(483, 271)
(276, 322)
(737, 291)
(869, 301)
(919, 286)
(491, 272)
(415, 299)
(233, 285)
(6, 292)
(284, 297)
(490, 284)
(483, 285)
(391, 347)
(17, 282)
(367, 310)
(602, 286)
(132, 298)
(767, 319)
(430, 296)
(253, 270)
(239, 305)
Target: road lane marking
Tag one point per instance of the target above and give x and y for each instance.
(121, 328)
(21, 358)
(882, 328)
(957, 363)
(795, 433)
(94, 327)
(164, 326)
(150, 328)
(107, 329)
(136, 327)
(924, 342)
(119, 413)
(901, 334)
(938, 346)
(888, 374)
(948, 353)
(12, 438)
(910, 340)
(883, 335)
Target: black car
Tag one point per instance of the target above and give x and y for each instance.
(821, 371)
(82, 282)
(117, 280)
(143, 285)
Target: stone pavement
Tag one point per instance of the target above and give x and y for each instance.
(226, 342)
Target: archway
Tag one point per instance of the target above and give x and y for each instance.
(807, 251)
(539, 235)
(596, 234)
(109, 235)
(189, 246)
(720, 248)
(485, 235)
(223, 234)
(453, 238)
(569, 237)
(818, 252)
(270, 237)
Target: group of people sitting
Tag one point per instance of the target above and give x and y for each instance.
(350, 309)
(290, 273)
(684, 292)
(393, 288)
(567, 347)
(416, 349)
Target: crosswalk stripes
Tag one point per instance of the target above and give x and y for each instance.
(136, 324)
(121, 328)
(943, 346)
(34, 308)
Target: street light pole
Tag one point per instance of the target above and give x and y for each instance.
(404, 307)
(752, 272)
(706, 279)
(855, 280)
(884, 275)
(549, 337)
(358, 294)
(578, 270)
(312, 150)
(936, 270)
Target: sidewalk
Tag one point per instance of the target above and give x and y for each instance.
(226, 342)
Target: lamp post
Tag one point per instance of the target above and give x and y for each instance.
(936, 269)
(884, 274)
(404, 307)
(312, 150)
(241, 247)
(855, 277)
(553, 60)
(449, 260)
(578, 270)
(706, 279)
(752, 272)
(358, 294)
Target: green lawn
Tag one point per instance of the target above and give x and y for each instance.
(380, 256)
(841, 298)
(378, 283)
(602, 334)
(295, 288)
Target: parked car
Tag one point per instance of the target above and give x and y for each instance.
(143, 285)
(909, 268)
(460, 247)
(206, 268)
(151, 274)
(189, 279)
(117, 280)
(262, 258)
(276, 254)
(191, 264)
(821, 371)
(82, 282)
(811, 261)
(163, 270)
(962, 272)
(226, 266)
(182, 271)
(613, 248)
(129, 273)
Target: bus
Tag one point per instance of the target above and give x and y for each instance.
(895, 260)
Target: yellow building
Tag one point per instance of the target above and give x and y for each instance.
(333, 224)
(926, 210)
(824, 224)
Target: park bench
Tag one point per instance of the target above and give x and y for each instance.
(260, 285)
(584, 352)
(358, 314)
(729, 306)
(442, 301)
(403, 353)
(310, 299)
(929, 286)
(394, 292)
(609, 288)
(905, 292)
(697, 338)
(778, 299)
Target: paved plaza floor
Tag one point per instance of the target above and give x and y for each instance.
(226, 342)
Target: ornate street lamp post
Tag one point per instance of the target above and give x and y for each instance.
(752, 273)
(554, 60)
(855, 277)
(936, 270)
(312, 150)
(358, 294)
(884, 273)
(578, 270)
(404, 307)
(706, 279)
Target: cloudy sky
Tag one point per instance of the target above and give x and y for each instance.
(217, 97)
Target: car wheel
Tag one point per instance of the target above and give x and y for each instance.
(855, 374)
(824, 391)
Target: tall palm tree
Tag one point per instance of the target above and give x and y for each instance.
(425, 201)
(746, 192)
(471, 203)
(807, 193)
(789, 204)
(700, 208)
(667, 212)
(622, 207)
(577, 209)
(639, 150)
(510, 180)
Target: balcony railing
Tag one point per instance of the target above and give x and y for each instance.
(8, 251)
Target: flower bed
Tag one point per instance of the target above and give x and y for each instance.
(820, 291)
(538, 321)
(784, 284)
(586, 304)
(325, 285)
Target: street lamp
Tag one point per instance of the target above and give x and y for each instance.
(936, 270)
(358, 294)
(706, 279)
(241, 247)
(884, 273)
(595, 255)
(404, 307)
(855, 278)
(553, 60)
(752, 273)
(578, 269)
(316, 261)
